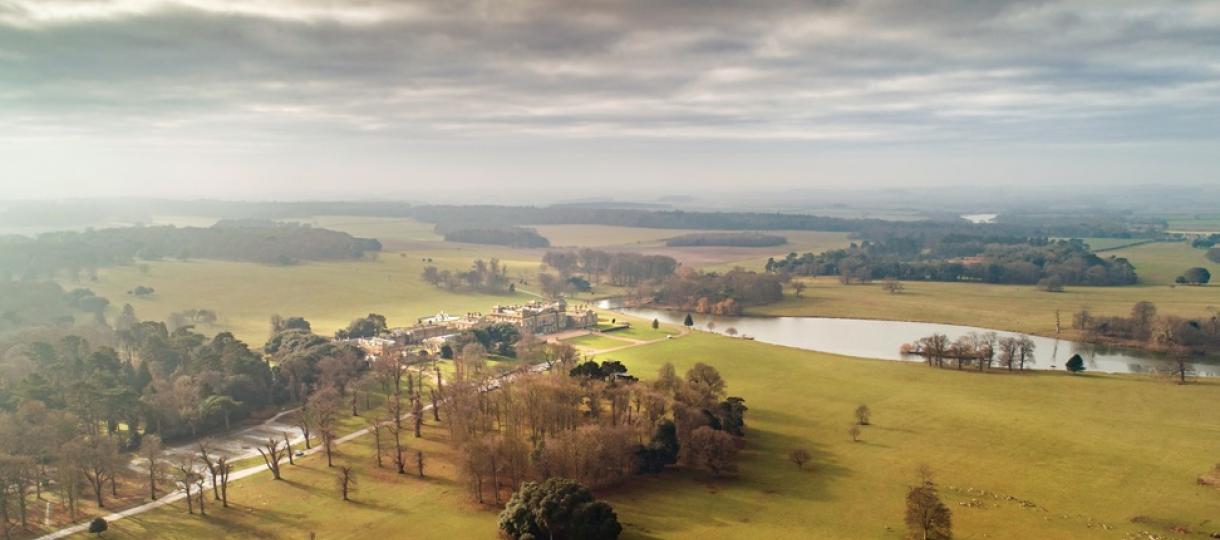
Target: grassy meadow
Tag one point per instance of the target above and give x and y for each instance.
(1033, 455)
(1019, 308)
(328, 294)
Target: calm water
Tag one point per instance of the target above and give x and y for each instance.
(980, 218)
(882, 339)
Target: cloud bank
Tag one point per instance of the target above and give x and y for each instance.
(373, 77)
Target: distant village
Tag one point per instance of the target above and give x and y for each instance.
(537, 318)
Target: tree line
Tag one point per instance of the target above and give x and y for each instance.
(621, 269)
(1073, 225)
(71, 253)
(975, 350)
(1009, 260)
(718, 293)
(1146, 327)
(517, 237)
(742, 239)
(484, 276)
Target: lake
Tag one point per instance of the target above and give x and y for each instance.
(882, 339)
(980, 218)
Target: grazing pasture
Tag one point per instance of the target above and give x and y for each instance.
(328, 294)
(1032, 455)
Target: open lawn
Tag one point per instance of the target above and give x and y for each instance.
(1033, 455)
(1085, 452)
(598, 342)
(386, 505)
(640, 329)
(1161, 262)
(328, 294)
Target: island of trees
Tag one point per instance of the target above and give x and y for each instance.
(732, 239)
(517, 237)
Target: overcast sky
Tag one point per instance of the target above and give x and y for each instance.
(390, 98)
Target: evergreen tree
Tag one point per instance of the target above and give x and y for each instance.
(1075, 364)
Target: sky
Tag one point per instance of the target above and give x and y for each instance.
(495, 100)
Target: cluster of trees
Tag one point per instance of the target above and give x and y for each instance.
(589, 423)
(70, 412)
(190, 317)
(1194, 276)
(719, 294)
(39, 303)
(736, 239)
(1014, 260)
(1205, 242)
(499, 339)
(1213, 255)
(372, 325)
(1146, 327)
(553, 286)
(558, 508)
(517, 237)
(484, 276)
(976, 350)
(304, 360)
(172, 384)
(621, 269)
(71, 253)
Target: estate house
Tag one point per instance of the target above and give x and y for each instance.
(544, 318)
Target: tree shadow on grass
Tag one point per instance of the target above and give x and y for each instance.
(183, 525)
(681, 499)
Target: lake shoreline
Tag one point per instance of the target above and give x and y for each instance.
(882, 339)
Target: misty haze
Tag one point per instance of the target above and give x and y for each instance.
(324, 269)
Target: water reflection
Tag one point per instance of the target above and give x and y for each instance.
(882, 339)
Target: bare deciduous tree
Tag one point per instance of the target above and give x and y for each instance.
(892, 285)
(345, 481)
(185, 465)
(272, 456)
(152, 450)
(325, 405)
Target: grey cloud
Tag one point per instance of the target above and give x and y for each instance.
(889, 69)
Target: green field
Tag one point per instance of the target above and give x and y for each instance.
(1203, 223)
(1088, 453)
(597, 342)
(328, 294)
(1013, 307)
(1161, 262)
(720, 258)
